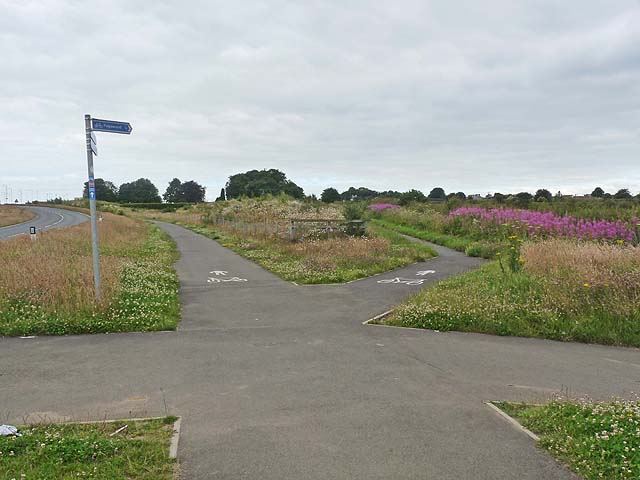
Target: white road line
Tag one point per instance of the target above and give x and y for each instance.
(18, 224)
(619, 362)
(55, 223)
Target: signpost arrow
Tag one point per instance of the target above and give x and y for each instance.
(110, 126)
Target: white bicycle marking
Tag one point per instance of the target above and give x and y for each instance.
(220, 277)
(405, 281)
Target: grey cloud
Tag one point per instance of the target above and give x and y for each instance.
(498, 95)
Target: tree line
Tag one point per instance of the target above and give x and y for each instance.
(143, 190)
(257, 183)
(331, 194)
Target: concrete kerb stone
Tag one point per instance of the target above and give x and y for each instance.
(371, 322)
(175, 439)
(512, 421)
(377, 317)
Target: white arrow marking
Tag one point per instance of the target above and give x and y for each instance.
(425, 272)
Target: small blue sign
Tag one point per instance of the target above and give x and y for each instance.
(92, 195)
(110, 126)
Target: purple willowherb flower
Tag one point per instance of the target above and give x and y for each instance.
(533, 223)
(379, 207)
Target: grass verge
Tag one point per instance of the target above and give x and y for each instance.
(71, 451)
(473, 248)
(596, 440)
(47, 285)
(487, 300)
(12, 215)
(333, 260)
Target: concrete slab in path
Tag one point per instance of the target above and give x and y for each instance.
(276, 381)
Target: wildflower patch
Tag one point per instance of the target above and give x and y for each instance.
(595, 439)
(102, 451)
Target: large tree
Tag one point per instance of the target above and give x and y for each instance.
(105, 190)
(192, 192)
(522, 199)
(189, 192)
(330, 195)
(256, 183)
(390, 194)
(360, 193)
(437, 194)
(173, 194)
(412, 196)
(598, 192)
(543, 194)
(622, 194)
(139, 191)
(499, 197)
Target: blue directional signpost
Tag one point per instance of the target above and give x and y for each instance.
(96, 125)
(110, 126)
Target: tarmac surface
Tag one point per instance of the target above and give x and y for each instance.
(278, 381)
(46, 218)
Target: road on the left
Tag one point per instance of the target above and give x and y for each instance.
(46, 218)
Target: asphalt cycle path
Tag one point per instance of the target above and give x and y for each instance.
(47, 218)
(279, 381)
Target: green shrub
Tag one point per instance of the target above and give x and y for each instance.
(483, 249)
(353, 211)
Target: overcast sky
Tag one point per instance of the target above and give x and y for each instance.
(475, 96)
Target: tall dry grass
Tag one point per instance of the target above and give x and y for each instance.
(331, 253)
(585, 264)
(601, 275)
(56, 270)
(11, 215)
(182, 216)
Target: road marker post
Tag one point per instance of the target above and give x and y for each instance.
(33, 234)
(96, 125)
